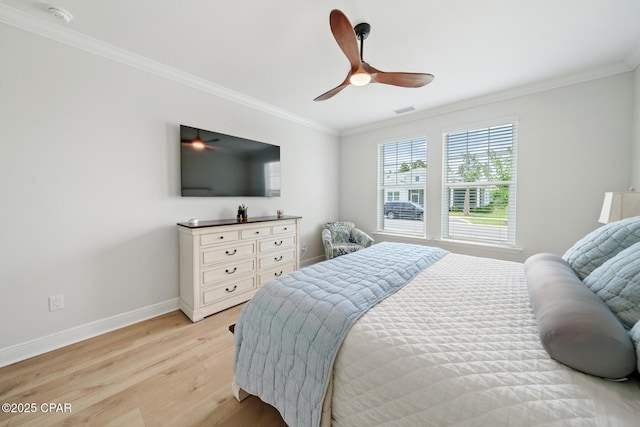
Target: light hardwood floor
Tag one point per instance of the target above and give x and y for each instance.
(165, 371)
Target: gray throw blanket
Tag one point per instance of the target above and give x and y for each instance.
(288, 335)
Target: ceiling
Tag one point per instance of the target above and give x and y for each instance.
(281, 53)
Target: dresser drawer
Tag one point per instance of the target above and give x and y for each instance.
(226, 253)
(277, 243)
(253, 233)
(276, 259)
(275, 273)
(289, 227)
(228, 289)
(228, 270)
(221, 237)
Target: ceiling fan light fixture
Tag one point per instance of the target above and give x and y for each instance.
(197, 144)
(360, 78)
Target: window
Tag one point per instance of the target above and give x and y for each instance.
(402, 178)
(272, 179)
(393, 196)
(480, 185)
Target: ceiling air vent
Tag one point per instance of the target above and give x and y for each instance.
(405, 109)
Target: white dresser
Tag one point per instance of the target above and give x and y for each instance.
(223, 262)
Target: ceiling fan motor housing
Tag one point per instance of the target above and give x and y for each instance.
(362, 30)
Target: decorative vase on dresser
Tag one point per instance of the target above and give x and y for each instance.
(223, 262)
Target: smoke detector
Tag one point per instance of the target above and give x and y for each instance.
(61, 14)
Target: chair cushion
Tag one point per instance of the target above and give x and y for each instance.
(604, 243)
(340, 231)
(617, 283)
(345, 248)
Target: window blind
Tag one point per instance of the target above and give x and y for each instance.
(479, 185)
(402, 178)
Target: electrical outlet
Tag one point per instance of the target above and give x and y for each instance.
(56, 302)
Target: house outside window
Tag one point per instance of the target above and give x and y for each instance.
(479, 185)
(393, 196)
(402, 179)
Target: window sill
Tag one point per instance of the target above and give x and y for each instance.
(407, 238)
(479, 245)
(398, 236)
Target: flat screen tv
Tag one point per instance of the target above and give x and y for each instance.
(213, 164)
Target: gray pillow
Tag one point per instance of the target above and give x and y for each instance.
(604, 243)
(575, 326)
(634, 333)
(617, 283)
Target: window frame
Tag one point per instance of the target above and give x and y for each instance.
(476, 237)
(414, 186)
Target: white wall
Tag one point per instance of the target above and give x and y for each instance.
(574, 143)
(89, 183)
(635, 155)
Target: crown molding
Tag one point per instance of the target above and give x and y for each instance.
(55, 31)
(516, 92)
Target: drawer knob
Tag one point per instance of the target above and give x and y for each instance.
(221, 237)
(258, 232)
(279, 258)
(278, 274)
(285, 229)
(232, 289)
(231, 253)
(278, 243)
(231, 271)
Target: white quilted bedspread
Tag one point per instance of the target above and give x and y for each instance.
(458, 346)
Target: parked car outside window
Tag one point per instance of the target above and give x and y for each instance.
(403, 210)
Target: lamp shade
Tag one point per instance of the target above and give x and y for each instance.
(619, 206)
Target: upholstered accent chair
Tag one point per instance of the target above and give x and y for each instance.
(340, 238)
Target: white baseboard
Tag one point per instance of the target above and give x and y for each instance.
(38, 346)
(310, 261)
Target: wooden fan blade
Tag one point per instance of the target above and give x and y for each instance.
(402, 79)
(345, 37)
(328, 94)
(331, 92)
(398, 78)
(213, 147)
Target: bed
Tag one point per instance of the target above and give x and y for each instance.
(450, 339)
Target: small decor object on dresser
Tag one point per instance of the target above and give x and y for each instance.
(242, 213)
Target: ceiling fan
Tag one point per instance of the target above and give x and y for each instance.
(362, 73)
(199, 144)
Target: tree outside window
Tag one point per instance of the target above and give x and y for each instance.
(479, 187)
